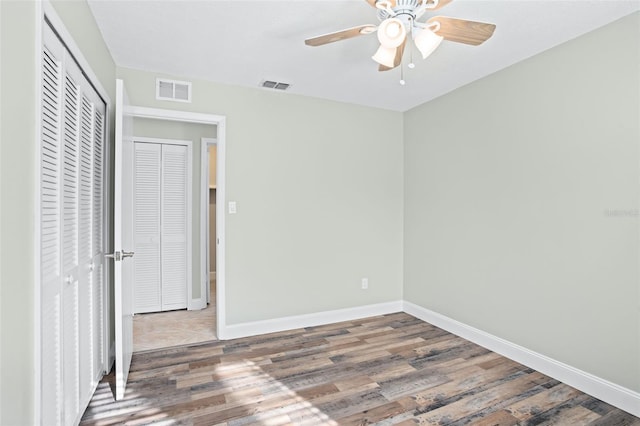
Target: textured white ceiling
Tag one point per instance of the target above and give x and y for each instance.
(244, 42)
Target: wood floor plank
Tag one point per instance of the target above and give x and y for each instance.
(385, 370)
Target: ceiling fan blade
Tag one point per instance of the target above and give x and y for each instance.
(397, 60)
(463, 31)
(441, 4)
(340, 35)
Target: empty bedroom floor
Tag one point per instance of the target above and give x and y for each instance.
(387, 370)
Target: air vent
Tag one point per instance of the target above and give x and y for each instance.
(274, 85)
(173, 90)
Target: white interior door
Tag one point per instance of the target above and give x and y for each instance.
(123, 240)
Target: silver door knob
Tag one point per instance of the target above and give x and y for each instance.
(127, 254)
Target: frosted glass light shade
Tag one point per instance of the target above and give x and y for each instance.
(385, 56)
(427, 41)
(391, 33)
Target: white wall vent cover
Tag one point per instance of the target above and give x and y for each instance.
(173, 90)
(274, 85)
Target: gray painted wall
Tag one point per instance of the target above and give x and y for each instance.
(17, 180)
(521, 203)
(318, 186)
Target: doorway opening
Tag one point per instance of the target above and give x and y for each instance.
(198, 323)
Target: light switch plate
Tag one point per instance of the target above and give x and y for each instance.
(232, 207)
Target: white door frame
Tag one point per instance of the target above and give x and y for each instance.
(205, 238)
(220, 122)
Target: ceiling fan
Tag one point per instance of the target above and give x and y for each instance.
(399, 21)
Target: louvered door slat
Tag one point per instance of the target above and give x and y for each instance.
(70, 174)
(97, 181)
(147, 289)
(86, 176)
(97, 247)
(174, 227)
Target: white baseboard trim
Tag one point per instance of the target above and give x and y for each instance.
(608, 392)
(308, 320)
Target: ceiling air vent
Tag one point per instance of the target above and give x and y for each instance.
(274, 85)
(173, 90)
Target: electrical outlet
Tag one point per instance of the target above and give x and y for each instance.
(365, 283)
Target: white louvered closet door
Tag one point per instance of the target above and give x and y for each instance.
(50, 230)
(161, 226)
(70, 230)
(174, 227)
(146, 205)
(97, 268)
(90, 253)
(71, 321)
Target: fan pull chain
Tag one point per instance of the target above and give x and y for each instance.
(402, 82)
(411, 65)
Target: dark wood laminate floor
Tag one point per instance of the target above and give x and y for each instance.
(392, 369)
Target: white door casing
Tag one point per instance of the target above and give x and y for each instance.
(123, 240)
(205, 146)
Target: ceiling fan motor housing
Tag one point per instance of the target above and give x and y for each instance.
(403, 9)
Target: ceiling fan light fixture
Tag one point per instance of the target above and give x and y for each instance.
(392, 33)
(385, 56)
(427, 41)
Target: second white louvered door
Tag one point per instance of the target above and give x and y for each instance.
(173, 237)
(161, 182)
